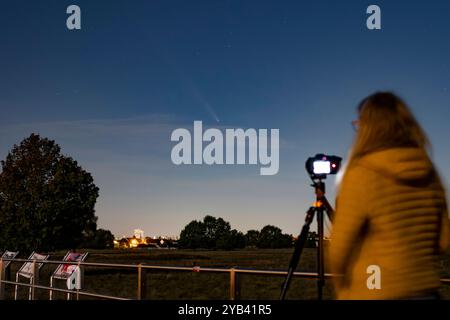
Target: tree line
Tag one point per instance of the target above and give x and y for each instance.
(216, 233)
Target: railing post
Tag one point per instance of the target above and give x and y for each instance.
(34, 280)
(234, 284)
(81, 271)
(2, 278)
(50, 297)
(142, 282)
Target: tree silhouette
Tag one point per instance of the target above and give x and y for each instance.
(100, 239)
(46, 199)
(215, 229)
(193, 235)
(272, 237)
(252, 238)
(211, 233)
(232, 240)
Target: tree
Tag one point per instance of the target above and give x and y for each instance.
(272, 237)
(211, 233)
(124, 243)
(231, 240)
(193, 235)
(101, 239)
(215, 228)
(252, 238)
(46, 199)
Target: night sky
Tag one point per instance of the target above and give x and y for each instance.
(111, 93)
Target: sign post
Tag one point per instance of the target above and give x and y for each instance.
(30, 270)
(2, 278)
(73, 274)
(6, 263)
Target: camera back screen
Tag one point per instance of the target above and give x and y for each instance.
(322, 167)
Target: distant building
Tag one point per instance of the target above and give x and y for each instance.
(139, 234)
(138, 240)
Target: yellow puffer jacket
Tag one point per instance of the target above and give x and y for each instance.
(391, 212)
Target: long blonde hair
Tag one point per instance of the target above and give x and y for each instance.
(385, 122)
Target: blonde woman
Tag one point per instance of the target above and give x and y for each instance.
(391, 221)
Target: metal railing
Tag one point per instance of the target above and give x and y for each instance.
(234, 283)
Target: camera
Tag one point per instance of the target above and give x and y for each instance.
(321, 165)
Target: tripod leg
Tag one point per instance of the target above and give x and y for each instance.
(300, 244)
(320, 255)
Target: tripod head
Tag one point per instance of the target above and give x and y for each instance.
(318, 184)
(319, 187)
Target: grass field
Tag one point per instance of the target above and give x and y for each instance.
(194, 285)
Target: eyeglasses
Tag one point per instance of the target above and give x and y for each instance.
(355, 125)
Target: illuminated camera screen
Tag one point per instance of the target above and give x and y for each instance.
(322, 167)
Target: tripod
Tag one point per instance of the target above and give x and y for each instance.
(320, 206)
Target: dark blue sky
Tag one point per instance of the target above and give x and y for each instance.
(111, 93)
